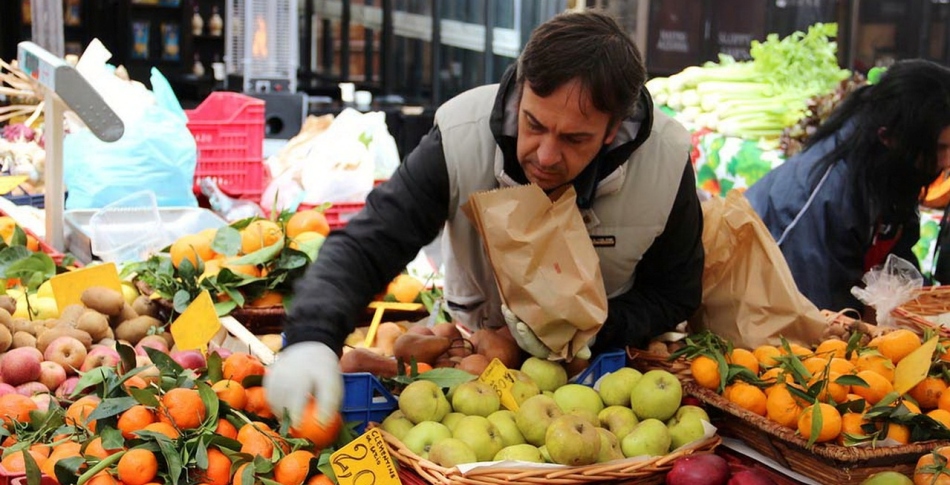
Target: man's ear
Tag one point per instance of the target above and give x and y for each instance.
(612, 132)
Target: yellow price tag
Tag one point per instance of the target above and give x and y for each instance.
(68, 287)
(10, 182)
(497, 376)
(199, 322)
(914, 367)
(365, 461)
(381, 307)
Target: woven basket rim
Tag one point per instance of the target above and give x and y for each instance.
(839, 453)
(599, 472)
(930, 300)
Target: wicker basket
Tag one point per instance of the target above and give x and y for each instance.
(931, 301)
(644, 360)
(639, 472)
(825, 463)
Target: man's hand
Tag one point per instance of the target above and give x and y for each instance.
(302, 370)
(529, 341)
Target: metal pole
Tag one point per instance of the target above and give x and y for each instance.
(54, 198)
(436, 54)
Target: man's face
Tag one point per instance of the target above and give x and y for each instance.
(558, 136)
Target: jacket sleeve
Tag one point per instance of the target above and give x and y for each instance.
(400, 217)
(667, 288)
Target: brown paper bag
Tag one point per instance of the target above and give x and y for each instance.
(749, 295)
(547, 271)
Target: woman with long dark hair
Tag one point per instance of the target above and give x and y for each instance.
(850, 199)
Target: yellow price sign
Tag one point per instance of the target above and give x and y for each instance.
(365, 461)
(68, 287)
(497, 376)
(199, 322)
(10, 182)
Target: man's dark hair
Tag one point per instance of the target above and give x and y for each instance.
(907, 109)
(589, 46)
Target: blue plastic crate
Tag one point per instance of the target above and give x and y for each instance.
(601, 365)
(366, 399)
(33, 200)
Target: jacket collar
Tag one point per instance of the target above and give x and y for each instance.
(603, 175)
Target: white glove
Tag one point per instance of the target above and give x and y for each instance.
(529, 342)
(302, 370)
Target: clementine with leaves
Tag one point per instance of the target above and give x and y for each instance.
(191, 247)
(218, 471)
(310, 220)
(782, 407)
(16, 407)
(164, 428)
(182, 408)
(745, 358)
(256, 439)
(135, 418)
(705, 372)
(878, 386)
(78, 412)
(928, 391)
(257, 402)
(137, 466)
(260, 234)
(766, 355)
(830, 422)
(293, 468)
(230, 392)
(226, 429)
(320, 434)
(16, 463)
(238, 366)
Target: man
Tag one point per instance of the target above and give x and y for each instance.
(572, 111)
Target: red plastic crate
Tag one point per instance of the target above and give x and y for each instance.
(339, 213)
(229, 131)
(12, 478)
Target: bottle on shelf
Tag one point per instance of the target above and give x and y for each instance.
(216, 23)
(197, 23)
(198, 69)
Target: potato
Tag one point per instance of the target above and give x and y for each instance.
(103, 300)
(6, 338)
(22, 325)
(144, 306)
(93, 323)
(127, 313)
(72, 312)
(43, 341)
(133, 330)
(6, 319)
(23, 339)
(8, 303)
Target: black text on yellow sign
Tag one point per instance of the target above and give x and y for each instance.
(365, 461)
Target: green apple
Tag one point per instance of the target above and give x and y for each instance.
(534, 416)
(475, 398)
(586, 415)
(522, 452)
(609, 447)
(615, 388)
(481, 435)
(422, 436)
(685, 430)
(650, 438)
(549, 394)
(656, 395)
(423, 401)
(576, 396)
(619, 420)
(450, 452)
(504, 420)
(572, 441)
(544, 454)
(523, 387)
(888, 478)
(452, 419)
(546, 374)
(396, 424)
(688, 410)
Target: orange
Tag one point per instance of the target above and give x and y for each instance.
(836, 392)
(268, 299)
(897, 344)
(310, 220)
(927, 392)
(832, 348)
(851, 424)
(320, 434)
(929, 473)
(878, 386)
(63, 450)
(257, 402)
(943, 402)
(775, 374)
(945, 355)
(816, 365)
(238, 366)
(133, 419)
(255, 439)
(405, 288)
(799, 350)
(303, 237)
(830, 422)
(219, 468)
(898, 432)
(14, 462)
(240, 269)
(182, 408)
(102, 478)
(744, 358)
(907, 404)
(78, 411)
(320, 479)
(226, 429)
(239, 476)
(137, 466)
(705, 372)
(293, 468)
(230, 392)
(260, 234)
(782, 407)
(95, 449)
(876, 362)
(748, 397)
(941, 416)
(766, 355)
(190, 247)
(423, 367)
(16, 407)
(135, 382)
(163, 428)
(842, 366)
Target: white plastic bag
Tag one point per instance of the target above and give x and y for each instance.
(888, 286)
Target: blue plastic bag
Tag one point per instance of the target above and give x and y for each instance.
(156, 152)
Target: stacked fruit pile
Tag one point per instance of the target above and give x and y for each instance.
(630, 414)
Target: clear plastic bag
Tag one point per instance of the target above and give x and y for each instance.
(888, 286)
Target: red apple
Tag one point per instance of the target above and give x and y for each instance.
(100, 356)
(21, 365)
(222, 352)
(154, 341)
(51, 374)
(190, 359)
(751, 476)
(65, 390)
(66, 351)
(43, 401)
(706, 469)
(6, 389)
(28, 389)
(151, 374)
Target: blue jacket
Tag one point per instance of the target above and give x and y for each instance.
(826, 247)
